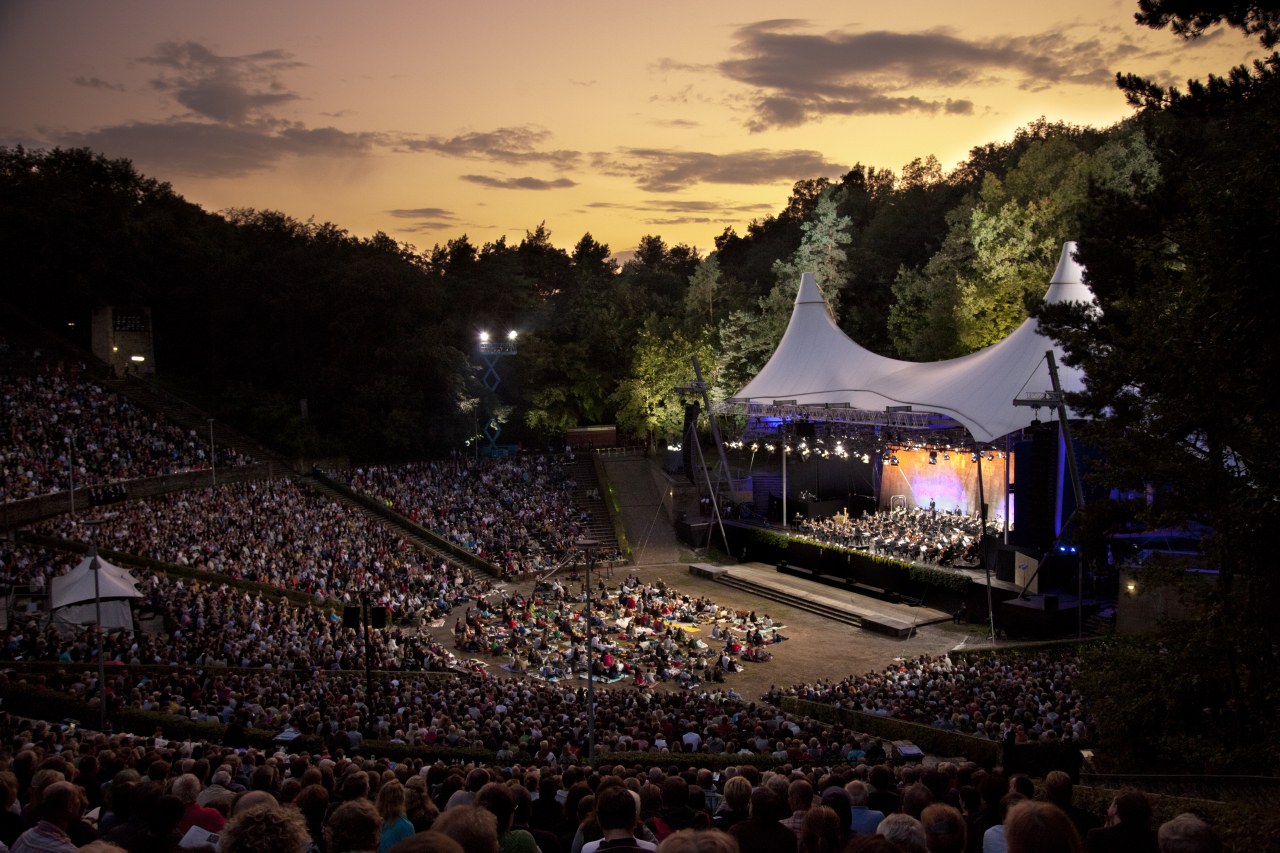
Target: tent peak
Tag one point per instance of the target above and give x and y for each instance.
(808, 291)
(1067, 284)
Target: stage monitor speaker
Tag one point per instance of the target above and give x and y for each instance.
(350, 616)
(1005, 568)
(378, 617)
(1051, 604)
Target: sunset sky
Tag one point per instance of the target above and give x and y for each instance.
(430, 120)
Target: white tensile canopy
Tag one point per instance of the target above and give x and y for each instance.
(817, 365)
(72, 596)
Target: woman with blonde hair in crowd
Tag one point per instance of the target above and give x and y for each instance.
(396, 826)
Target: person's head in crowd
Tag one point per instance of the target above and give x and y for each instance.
(60, 804)
(354, 826)
(251, 800)
(497, 798)
(800, 795)
(821, 831)
(1058, 788)
(766, 806)
(1007, 802)
(1037, 827)
(905, 832)
(474, 828)
(617, 809)
(944, 828)
(477, 779)
(737, 793)
(1187, 833)
(915, 798)
(186, 788)
(101, 846)
(265, 829)
(355, 786)
(391, 801)
(1021, 783)
(698, 841)
(837, 799)
(858, 792)
(427, 842)
(420, 809)
(1130, 808)
(312, 803)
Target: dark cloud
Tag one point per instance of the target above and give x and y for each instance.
(229, 89)
(206, 149)
(421, 213)
(97, 83)
(689, 207)
(518, 145)
(799, 76)
(519, 183)
(425, 219)
(660, 171)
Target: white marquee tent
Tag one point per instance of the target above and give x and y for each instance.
(72, 596)
(817, 366)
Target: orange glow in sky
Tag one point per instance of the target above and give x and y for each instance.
(430, 120)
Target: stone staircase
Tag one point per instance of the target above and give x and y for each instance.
(809, 603)
(588, 497)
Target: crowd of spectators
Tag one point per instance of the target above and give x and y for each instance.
(517, 514)
(643, 633)
(1031, 697)
(58, 427)
(63, 789)
(280, 534)
(918, 534)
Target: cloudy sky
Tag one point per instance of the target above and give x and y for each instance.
(430, 120)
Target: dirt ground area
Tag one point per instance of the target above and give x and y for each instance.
(816, 647)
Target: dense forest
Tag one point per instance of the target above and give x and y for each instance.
(254, 311)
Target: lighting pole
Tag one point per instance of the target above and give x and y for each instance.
(95, 567)
(213, 463)
(71, 470)
(588, 545)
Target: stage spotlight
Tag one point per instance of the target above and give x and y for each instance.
(975, 457)
(893, 460)
(991, 457)
(933, 457)
(946, 457)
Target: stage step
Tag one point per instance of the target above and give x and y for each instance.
(784, 597)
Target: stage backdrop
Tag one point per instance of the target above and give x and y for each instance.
(950, 484)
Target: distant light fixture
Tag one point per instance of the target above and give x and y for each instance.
(1131, 587)
(115, 349)
(137, 358)
(512, 335)
(893, 460)
(484, 337)
(866, 459)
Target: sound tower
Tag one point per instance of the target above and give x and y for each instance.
(1036, 493)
